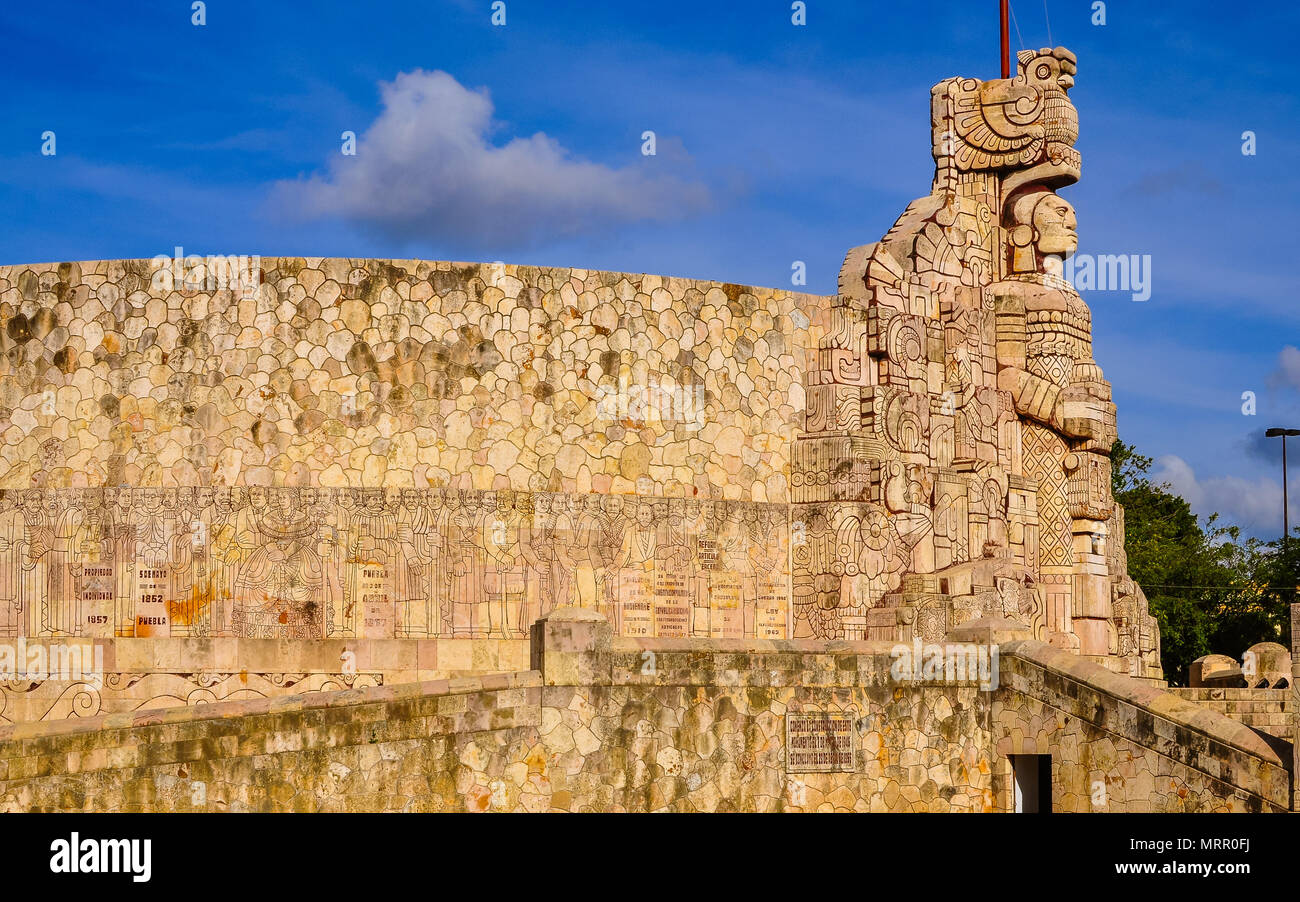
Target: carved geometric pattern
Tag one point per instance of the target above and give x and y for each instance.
(1044, 451)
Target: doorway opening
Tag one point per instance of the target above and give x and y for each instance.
(1031, 777)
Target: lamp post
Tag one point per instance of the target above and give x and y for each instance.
(1286, 514)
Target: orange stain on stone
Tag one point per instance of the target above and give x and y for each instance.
(478, 799)
(184, 612)
(536, 761)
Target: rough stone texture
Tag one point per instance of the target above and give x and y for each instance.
(399, 373)
(618, 724)
(328, 449)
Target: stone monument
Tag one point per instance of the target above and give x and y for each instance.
(955, 459)
(241, 477)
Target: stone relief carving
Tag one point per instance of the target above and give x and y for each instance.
(307, 563)
(955, 458)
(23, 701)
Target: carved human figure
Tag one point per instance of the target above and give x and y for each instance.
(635, 563)
(12, 551)
(955, 390)
(1045, 364)
(815, 582)
(186, 535)
(535, 555)
(377, 558)
(417, 533)
(548, 537)
(221, 538)
(464, 573)
(446, 562)
(242, 541)
(281, 583)
(585, 549)
(611, 524)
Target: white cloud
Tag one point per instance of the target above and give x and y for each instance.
(1256, 505)
(1287, 373)
(426, 169)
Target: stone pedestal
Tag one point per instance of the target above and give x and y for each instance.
(571, 647)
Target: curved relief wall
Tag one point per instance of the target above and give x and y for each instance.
(327, 451)
(377, 373)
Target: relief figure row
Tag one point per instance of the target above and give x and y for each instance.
(410, 563)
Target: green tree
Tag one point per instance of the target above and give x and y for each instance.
(1210, 591)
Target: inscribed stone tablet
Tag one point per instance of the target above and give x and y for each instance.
(818, 743)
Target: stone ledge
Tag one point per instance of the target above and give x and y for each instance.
(1206, 693)
(625, 645)
(1159, 703)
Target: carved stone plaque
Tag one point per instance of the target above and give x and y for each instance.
(817, 743)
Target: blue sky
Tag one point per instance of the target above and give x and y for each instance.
(775, 143)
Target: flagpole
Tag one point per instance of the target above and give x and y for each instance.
(1006, 40)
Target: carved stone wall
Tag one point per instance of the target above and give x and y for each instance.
(325, 454)
(398, 373)
(307, 563)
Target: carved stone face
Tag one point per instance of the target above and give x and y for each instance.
(1056, 227)
(1053, 71)
(32, 503)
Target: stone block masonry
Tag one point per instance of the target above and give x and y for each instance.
(1270, 711)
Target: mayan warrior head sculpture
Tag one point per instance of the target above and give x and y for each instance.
(958, 431)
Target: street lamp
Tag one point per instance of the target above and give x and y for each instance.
(1286, 516)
